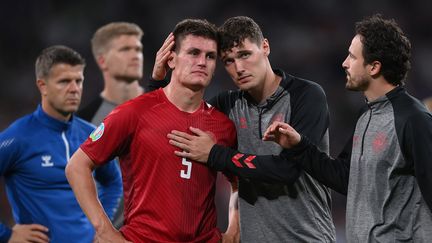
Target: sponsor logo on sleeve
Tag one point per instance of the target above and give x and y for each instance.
(97, 133)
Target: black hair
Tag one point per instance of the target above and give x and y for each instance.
(384, 41)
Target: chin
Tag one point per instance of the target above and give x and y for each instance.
(197, 86)
(71, 108)
(350, 86)
(200, 83)
(245, 87)
(130, 78)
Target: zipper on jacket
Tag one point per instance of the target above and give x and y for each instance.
(259, 121)
(364, 133)
(66, 143)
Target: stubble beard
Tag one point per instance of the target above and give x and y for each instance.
(359, 84)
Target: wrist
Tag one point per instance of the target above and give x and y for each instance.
(214, 157)
(156, 78)
(102, 225)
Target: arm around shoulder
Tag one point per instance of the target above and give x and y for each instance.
(268, 168)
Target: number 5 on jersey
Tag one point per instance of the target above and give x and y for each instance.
(186, 173)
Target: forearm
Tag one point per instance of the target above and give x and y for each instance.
(79, 175)
(333, 173)
(154, 84)
(268, 168)
(234, 221)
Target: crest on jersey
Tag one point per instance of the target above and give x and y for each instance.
(97, 133)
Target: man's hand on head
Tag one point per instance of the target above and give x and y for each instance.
(161, 68)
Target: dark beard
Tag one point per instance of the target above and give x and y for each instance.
(362, 85)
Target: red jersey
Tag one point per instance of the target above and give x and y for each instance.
(166, 198)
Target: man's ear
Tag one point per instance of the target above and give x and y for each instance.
(41, 84)
(171, 60)
(374, 68)
(100, 60)
(266, 46)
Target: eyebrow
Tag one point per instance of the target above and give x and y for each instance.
(200, 50)
(243, 52)
(235, 55)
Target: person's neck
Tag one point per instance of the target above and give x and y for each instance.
(378, 88)
(120, 91)
(267, 88)
(184, 98)
(50, 111)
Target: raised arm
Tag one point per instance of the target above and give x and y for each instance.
(161, 68)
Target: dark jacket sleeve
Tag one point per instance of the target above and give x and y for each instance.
(156, 84)
(333, 173)
(309, 112)
(224, 101)
(311, 119)
(267, 168)
(417, 147)
(309, 116)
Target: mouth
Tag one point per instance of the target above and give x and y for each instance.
(347, 75)
(202, 73)
(135, 65)
(244, 79)
(72, 100)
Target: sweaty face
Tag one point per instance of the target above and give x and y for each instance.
(62, 90)
(357, 77)
(124, 58)
(194, 63)
(246, 64)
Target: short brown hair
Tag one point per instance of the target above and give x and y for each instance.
(196, 27)
(235, 30)
(384, 41)
(105, 34)
(56, 55)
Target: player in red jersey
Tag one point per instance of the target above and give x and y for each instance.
(167, 198)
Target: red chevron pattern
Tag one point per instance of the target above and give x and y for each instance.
(235, 159)
(248, 162)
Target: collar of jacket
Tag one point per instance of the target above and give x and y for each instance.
(51, 122)
(388, 96)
